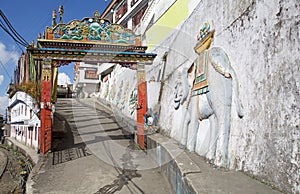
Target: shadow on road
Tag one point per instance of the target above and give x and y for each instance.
(63, 147)
(66, 150)
(126, 173)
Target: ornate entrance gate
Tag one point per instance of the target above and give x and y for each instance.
(91, 40)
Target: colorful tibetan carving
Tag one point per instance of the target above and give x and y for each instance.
(118, 98)
(133, 101)
(204, 31)
(112, 94)
(217, 102)
(150, 119)
(201, 73)
(204, 38)
(105, 87)
(125, 95)
(93, 29)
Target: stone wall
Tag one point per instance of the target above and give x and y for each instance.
(261, 39)
(118, 90)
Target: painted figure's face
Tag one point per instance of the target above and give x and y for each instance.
(178, 93)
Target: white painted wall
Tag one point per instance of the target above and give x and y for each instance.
(25, 136)
(88, 86)
(21, 104)
(119, 87)
(262, 42)
(82, 68)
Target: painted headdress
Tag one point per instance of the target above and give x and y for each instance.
(204, 38)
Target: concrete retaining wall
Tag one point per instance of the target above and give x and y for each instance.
(189, 173)
(31, 155)
(174, 164)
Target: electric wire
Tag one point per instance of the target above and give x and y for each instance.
(17, 35)
(3, 27)
(13, 37)
(5, 69)
(9, 29)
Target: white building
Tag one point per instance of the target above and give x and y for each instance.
(127, 13)
(24, 121)
(86, 79)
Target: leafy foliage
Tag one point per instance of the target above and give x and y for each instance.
(31, 88)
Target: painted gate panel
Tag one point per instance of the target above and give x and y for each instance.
(142, 105)
(46, 112)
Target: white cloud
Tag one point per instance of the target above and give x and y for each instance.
(3, 104)
(63, 79)
(6, 56)
(1, 79)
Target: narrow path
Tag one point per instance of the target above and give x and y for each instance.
(91, 155)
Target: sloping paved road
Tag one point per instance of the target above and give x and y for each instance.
(91, 155)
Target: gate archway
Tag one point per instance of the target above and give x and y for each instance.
(91, 40)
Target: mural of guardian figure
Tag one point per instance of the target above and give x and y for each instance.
(207, 94)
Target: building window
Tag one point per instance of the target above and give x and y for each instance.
(76, 72)
(30, 129)
(121, 11)
(137, 18)
(35, 132)
(133, 2)
(91, 74)
(25, 110)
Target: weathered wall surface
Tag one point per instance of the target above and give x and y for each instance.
(118, 90)
(262, 41)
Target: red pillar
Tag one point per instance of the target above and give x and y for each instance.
(45, 136)
(142, 103)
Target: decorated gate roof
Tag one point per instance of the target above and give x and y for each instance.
(91, 39)
(92, 29)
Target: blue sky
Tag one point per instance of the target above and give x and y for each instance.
(29, 18)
